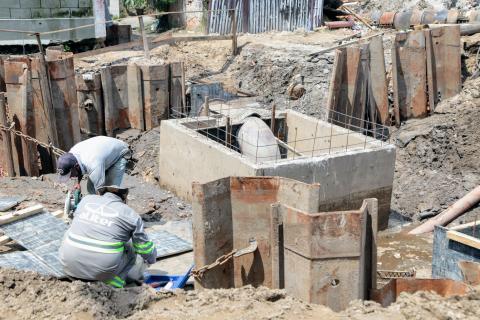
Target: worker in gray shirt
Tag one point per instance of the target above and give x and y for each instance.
(106, 240)
(103, 159)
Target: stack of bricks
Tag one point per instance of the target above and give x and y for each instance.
(39, 9)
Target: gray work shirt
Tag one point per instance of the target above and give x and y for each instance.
(96, 245)
(98, 154)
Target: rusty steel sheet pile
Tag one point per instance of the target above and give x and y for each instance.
(298, 247)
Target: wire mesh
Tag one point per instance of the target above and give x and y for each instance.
(327, 135)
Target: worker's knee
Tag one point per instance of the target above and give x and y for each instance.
(138, 269)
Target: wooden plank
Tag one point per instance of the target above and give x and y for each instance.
(4, 240)
(463, 238)
(465, 226)
(20, 214)
(135, 103)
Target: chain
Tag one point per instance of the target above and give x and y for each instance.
(198, 273)
(55, 150)
(253, 246)
(393, 274)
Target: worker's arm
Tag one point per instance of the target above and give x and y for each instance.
(142, 244)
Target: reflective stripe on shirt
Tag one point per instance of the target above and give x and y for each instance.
(94, 245)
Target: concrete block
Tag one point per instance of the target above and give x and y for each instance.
(41, 13)
(5, 14)
(84, 3)
(81, 12)
(30, 3)
(20, 13)
(69, 3)
(10, 4)
(45, 24)
(50, 3)
(61, 13)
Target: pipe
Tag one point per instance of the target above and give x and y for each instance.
(466, 29)
(453, 212)
(339, 24)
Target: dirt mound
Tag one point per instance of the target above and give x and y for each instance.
(437, 157)
(421, 305)
(268, 72)
(55, 299)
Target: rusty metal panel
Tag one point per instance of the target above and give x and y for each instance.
(156, 95)
(443, 287)
(452, 16)
(410, 74)
(3, 88)
(228, 212)
(386, 19)
(90, 104)
(446, 61)
(326, 259)
(19, 96)
(212, 231)
(64, 98)
(325, 235)
(115, 98)
(251, 218)
(177, 90)
(135, 97)
(349, 82)
(378, 80)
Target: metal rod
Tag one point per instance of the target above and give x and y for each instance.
(272, 122)
(295, 142)
(228, 136)
(234, 32)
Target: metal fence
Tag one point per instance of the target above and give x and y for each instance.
(221, 127)
(256, 16)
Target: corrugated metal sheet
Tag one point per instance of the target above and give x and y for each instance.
(256, 16)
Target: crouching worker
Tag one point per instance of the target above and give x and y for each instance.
(103, 159)
(106, 240)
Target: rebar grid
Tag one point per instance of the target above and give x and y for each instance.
(343, 136)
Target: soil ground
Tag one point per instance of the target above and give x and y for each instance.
(437, 162)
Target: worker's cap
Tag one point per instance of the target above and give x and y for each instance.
(65, 163)
(120, 191)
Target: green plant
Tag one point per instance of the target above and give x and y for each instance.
(135, 4)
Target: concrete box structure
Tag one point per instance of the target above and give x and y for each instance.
(349, 166)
